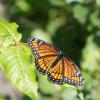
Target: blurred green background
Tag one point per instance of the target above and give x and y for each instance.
(73, 26)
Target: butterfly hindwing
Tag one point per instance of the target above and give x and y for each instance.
(43, 64)
(65, 71)
(56, 73)
(72, 74)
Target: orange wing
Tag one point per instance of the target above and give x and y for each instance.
(40, 48)
(56, 73)
(65, 71)
(71, 73)
(45, 54)
(43, 64)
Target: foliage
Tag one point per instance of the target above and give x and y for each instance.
(15, 60)
(73, 26)
(1, 98)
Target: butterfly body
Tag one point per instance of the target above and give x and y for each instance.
(51, 62)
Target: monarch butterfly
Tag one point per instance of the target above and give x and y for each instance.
(51, 62)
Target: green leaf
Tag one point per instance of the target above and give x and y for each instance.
(81, 95)
(19, 69)
(95, 19)
(57, 2)
(53, 24)
(80, 13)
(91, 58)
(8, 34)
(15, 60)
(22, 5)
(40, 34)
(69, 94)
(49, 86)
(90, 64)
(2, 98)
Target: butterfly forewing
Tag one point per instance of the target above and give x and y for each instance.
(40, 48)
